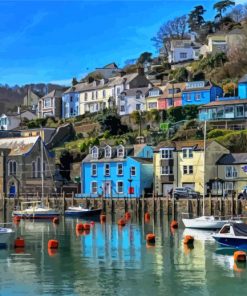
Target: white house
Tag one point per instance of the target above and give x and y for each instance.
(12, 121)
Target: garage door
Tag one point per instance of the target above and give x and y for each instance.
(166, 188)
(190, 185)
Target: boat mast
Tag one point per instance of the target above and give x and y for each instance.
(42, 167)
(204, 166)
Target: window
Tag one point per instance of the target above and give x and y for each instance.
(138, 94)
(187, 97)
(152, 105)
(118, 90)
(44, 167)
(154, 93)
(71, 99)
(240, 111)
(104, 94)
(170, 91)
(166, 153)
(169, 102)
(95, 152)
(187, 152)
(94, 169)
(188, 169)
(197, 96)
(94, 187)
(33, 169)
(166, 170)
(119, 186)
(107, 152)
(85, 97)
(183, 55)
(92, 95)
(231, 172)
(133, 171)
(71, 111)
(122, 108)
(107, 169)
(38, 167)
(96, 95)
(120, 151)
(47, 103)
(138, 106)
(12, 167)
(120, 169)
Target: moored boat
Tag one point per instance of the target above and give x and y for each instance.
(204, 222)
(80, 212)
(5, 234)
(232, 235)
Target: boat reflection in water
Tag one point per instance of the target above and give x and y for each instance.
(202, 235)
(112, 244)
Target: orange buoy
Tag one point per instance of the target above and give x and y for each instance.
(239, 256)
(79, 227)
(17, 219)
(174, 224)
(150, 238)
(147, 216)
(52, 244)
(127, 215)
(92, 223)
(19, 242)
(121, 222)
(86, 226)
(188, 240)
(188, 248)
(55, 220)
(102, 218)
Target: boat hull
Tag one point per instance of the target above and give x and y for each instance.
(83, 213)
(5, 237)
(203, 224)
(36, 215)
(231, 241)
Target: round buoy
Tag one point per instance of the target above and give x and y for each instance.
(102, 218)
(19, 242)
(86, 226)
(188, 240)
(150, 238)
(174, 224)
(52, 244)
(55, 220)
(92, 223)
(147, 216)
(79, 227)
(127, 215)
(239, 256)
(121, 222)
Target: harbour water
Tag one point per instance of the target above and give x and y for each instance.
(116, 261)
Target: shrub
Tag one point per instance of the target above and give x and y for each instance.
(217, 133)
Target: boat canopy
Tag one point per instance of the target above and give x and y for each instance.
(240, 229)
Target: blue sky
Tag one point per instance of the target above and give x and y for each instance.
(53, 41)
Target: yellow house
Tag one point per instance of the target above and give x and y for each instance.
(232, 174)
(152, 98)
(180, 164)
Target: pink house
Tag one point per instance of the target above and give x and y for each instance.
(172, 96)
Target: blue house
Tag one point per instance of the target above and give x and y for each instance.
(242, 87)
(117, 172)
(70, 102)
(200, 92)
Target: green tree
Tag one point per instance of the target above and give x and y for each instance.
(176, 114)
(111, 122)
(145, 56)
(196, 19)
(221, 7)
(179, 75)
(190, 112)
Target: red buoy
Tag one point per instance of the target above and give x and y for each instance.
(52, 244)
(188, 240)
(86, 226)
(19, 242)
(147, 216)
(174, 224)
(16, 219)
(55, 220)
(150, 238)
(239, 256)
(102, 218)
(127, 215)
(79, 227)
(121, 222)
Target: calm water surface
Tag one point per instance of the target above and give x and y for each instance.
(114, 261)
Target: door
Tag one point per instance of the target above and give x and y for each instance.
(12, 190)
(166, 188)
(107, 188)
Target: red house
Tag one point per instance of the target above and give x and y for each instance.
(172, 96)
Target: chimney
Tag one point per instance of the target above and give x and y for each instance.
(141, 71)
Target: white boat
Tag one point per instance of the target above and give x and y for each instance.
(204, 222)
(35, 210)
(81, 212)
(5, 234)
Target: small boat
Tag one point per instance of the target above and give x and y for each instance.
(232, 235)
(206, 222)
(35, 210)
(80, 212)
(5, 234)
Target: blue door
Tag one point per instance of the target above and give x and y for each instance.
(12, 190)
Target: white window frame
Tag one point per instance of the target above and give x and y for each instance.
(166, 170)
(133, 171)
(107, 171)
(120, 154)
(120, 192)
(95, 152)
(188, 170)
(233, 173)
(119, 169)
(11, 170)
(166, 153)
(187, 152)
(94, 187)
(47, 103)
(108, 149)
(93, 169)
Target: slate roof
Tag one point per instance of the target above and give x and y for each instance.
(18, 146)
(233, 158)
(133, 91)
(166, 94)
(243, 79)
(178, 145)
(143, 160)
(53, 94)
(224, 103)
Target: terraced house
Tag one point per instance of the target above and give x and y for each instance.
(180, 164)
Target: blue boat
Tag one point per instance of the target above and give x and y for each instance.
(232, 235)
(80, 212)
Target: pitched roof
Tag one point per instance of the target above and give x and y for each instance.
(243, 79)
(224, 103)
(133, 91)
(53, 94)
(174, 86)
(18, 146)
(143, 160)
(178, 145)
(233, 158)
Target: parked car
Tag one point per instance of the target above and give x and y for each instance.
(243, 193)
(185, 192)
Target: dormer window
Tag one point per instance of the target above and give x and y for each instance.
(107, 152)
(138, 95)
(95, 152)
(120, 151)
(187, 152)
